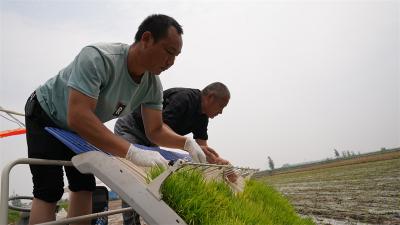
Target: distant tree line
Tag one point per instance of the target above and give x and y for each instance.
(345, 154)
(337, 154)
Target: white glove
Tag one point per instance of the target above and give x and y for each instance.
(145, 158)
(195, 151)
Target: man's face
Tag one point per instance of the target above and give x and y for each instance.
(215, 106)
(161, 55)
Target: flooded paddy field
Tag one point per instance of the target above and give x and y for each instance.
(361, 193)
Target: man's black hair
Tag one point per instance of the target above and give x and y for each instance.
(157, 25)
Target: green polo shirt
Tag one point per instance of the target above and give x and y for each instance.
(100, 71)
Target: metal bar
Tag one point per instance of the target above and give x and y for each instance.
(218, 165)
(87, 217)
(206, 164)
(190, 168)
(5, 179)
(18, 208)
(212, 170)
(11, 112)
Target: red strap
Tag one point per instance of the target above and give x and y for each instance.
(7, 133)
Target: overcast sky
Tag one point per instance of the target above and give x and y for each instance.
(305, 77)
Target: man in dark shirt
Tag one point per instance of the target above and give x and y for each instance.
(185, 111)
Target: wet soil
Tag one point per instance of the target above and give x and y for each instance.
(364, 193)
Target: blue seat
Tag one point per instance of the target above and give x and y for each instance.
(79, 145)
(72, 140)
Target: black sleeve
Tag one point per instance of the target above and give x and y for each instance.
(200, 131)
(175, 109)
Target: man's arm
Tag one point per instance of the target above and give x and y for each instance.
(211, 154)
(158, 132)
(201, 142)
(213, 157)
(81, 119)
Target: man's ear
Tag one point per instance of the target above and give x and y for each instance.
(213, 96)
(147, 38)
(210, 97)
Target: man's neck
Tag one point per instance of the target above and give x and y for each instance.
(135, 69)
(203, 103)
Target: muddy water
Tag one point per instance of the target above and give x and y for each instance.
(367, 193)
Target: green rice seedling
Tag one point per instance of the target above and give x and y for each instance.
(201, 202)
(13, 216)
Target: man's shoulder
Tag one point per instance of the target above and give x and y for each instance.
(182, 91)
(110, 48)
(183, 96)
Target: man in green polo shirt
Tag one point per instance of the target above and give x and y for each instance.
(103, 82)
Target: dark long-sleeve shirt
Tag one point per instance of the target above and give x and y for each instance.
(181, 112)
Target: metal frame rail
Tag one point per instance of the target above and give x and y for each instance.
(5, 180)
(146, 199)
(114, 174)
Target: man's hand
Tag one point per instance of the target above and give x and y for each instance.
(211, 154)
(195, 151)
(232, 176)
(213, 157)
(145, 158)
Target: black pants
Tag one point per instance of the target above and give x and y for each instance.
(48, 181)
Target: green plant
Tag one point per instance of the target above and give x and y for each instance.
(213, 203)
(63, 204)
(13, 216)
